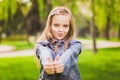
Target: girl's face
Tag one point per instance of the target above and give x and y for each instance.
(60, 26)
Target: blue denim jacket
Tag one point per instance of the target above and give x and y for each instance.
(68, 58)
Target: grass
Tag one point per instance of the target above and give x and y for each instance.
(101, 66)
(105, 65)
(19, 68)
(18, 44)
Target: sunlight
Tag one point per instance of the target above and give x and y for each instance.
(1, 0)
(24, 1)
(84, 8)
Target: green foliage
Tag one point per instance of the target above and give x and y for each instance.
(13, 6)
(25, 8)
(41, 8)
(104, 8)
(116, 15)
(1, 10)
(7, 7)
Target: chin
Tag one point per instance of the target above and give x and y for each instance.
(59, 38)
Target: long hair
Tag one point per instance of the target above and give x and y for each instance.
(47, 33)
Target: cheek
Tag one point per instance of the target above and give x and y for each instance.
(67, 30)
(54, 30)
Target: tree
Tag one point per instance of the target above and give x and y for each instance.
(92, 30)
(105, 13)
(7, 11)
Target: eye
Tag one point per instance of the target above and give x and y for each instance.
(66, 26)
(56, 25)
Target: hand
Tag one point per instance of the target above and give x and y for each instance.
(49, 68)
(58, 66)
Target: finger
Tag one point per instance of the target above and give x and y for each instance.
(57, 63)
(59, 70)
(58, 66)
(48, 66)
(56, 58)
(49, 59)
(50, 71)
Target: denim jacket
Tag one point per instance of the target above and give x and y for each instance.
(68, 57)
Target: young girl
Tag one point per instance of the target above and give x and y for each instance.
(57, 51)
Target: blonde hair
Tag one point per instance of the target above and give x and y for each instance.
(47, 34)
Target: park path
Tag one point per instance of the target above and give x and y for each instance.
(87, 44)
(8, 51)
(28, 52)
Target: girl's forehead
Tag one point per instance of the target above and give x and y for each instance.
(61, 18)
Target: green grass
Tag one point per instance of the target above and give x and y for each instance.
(19, 68)
(18, 44)
(105, 65)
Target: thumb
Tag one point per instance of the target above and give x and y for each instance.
(49, 59)
(57, 58)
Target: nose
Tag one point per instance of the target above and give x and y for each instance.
(60, 29)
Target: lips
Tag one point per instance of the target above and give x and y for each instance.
(60, 35)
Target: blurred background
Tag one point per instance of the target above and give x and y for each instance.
(97, 27)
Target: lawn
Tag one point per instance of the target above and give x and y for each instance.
(18, 44)
(18, 68)
(105, 65)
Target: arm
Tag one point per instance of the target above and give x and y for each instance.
(70, 56)
(42, 53)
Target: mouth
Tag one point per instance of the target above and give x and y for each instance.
(60, 35)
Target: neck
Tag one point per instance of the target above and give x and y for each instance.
(66, 42)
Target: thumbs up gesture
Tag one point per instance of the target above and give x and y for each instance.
(58, 66)
(48, 66)
(52, 67)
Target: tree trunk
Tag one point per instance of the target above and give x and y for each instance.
(0, 31)
(48, 6)
(107, 28)
(32, 22)
(0, 37)
(92, 28)
(119, 33)
(27, 39)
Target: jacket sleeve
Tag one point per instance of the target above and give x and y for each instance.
(42, 52)
(70, 57)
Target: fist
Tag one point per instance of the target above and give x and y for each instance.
(58, 66)
(48, 66)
